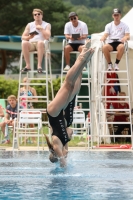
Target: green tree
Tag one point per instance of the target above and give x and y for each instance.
(98, 13)
(15, 14)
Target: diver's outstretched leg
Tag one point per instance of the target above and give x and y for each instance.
(68, 89)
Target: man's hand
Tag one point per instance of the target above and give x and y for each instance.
(31, 36)
(70, 37)
(80, 38)
(127, 119)
(39, 27)
(123, 40)
(8, 121)
(102, 39)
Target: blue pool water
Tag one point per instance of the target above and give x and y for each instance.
(88, 176)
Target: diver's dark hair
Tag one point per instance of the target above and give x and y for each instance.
(52, 157)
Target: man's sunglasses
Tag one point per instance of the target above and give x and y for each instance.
(37, 14)
(73, 18)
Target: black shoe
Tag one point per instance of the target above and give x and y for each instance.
(39, 70)
(25, 70)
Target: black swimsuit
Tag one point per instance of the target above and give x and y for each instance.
(69, 112)
(58, 125)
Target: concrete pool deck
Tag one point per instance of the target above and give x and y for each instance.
(26, 148)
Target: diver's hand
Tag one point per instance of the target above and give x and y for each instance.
(62, 161)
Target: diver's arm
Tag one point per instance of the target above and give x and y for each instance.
(60, 155)
(65, 150)
(58, 148)
(66, 146)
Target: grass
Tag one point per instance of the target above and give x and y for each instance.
(75, 142)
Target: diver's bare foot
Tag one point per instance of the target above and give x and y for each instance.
(87, 44)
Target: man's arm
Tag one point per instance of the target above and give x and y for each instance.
(126, 37)
(120, 113)
(85, 32)
(104, 37)
(25, 35)
(7, 117)
(84, 36)
(69, 37)
(46, 32)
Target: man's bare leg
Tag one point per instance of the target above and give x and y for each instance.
(26, 53)
(40, 51)
(80, 48)
(67, 51)
(106, 50)
(120, 51)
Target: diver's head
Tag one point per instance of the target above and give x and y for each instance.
(52, 158)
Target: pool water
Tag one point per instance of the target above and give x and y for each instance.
(88, 176)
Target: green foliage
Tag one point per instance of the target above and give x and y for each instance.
(9, 86)
(98, 13)
(100, 3)
(56, 85)
(15, 14)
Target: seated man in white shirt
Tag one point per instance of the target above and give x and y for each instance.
(33, 39)
(74, 26)
(117, 33)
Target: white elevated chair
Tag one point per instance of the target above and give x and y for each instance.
(104, 81)
(22, 130)
(79, 125)
(43, 80)
(46, 68)
(63, 72)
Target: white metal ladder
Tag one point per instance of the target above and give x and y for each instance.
(107, 79)
(38, 80)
